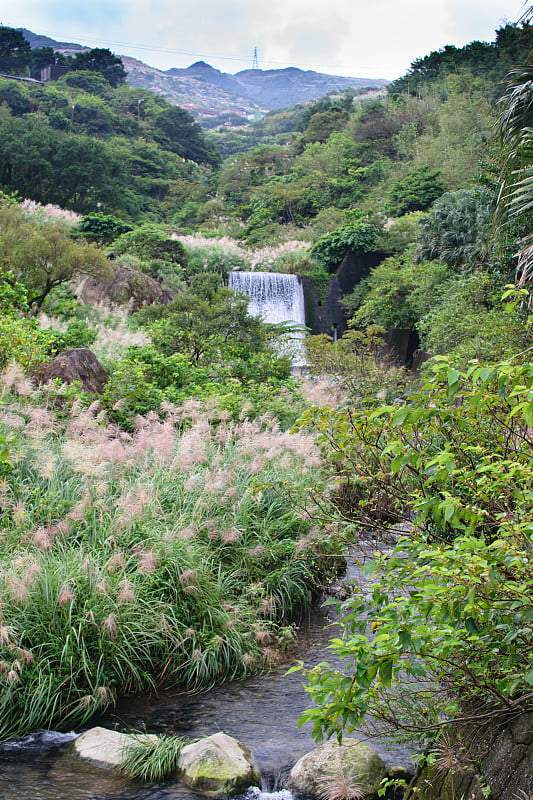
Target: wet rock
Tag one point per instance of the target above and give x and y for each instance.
(127, 286)
(104, 746)
(218, 765)
(77, 364)
(352, 767)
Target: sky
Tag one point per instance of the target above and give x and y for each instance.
(356, 38)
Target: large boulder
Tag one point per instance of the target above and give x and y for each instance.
(103, 746)
(77, 364)
(218, 765)
(126, 286)
(352, 769)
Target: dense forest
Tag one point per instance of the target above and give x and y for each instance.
(167, 523)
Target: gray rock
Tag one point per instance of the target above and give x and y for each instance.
(350, 770)
(217, 765)
(104, 746)
(126, 286)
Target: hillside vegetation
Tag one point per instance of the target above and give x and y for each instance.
(168, 531)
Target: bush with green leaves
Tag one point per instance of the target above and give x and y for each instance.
(355, 237)
(463, 317)
(102, 228)
(41, 256)
(22, 341)
(415, 192)
(450, 605)
(358, 362)
(76, 334)
(150, 241)
(456, 229)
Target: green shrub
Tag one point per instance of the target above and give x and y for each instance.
(356, 237)
(454, 465)
(102, 228)
(21, 341)
(77, 334)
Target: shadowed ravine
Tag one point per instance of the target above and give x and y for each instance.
(262, 712)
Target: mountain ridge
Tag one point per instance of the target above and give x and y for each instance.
(208, 92)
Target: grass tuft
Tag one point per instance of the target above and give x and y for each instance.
(149, 759)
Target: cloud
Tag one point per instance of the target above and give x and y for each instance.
(363, 38)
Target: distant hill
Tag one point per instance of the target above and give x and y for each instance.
(273, 88)
(36, 40)
(210, 94)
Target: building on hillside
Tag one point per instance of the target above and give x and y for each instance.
(52, 72)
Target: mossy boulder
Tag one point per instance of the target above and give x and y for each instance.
(353, 765)
(218, 765)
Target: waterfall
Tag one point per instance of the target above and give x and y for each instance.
(275, 297)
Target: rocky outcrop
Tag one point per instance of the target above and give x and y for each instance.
(217, 765)
(127, 286)
(104, 747)
(353, 767)
(77, 364)
(496, 758)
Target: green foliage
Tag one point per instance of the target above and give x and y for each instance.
(356, 237)
(358, 363)
(41, 256)
(13, 294)
(455, 462)
(455, 231)
(150, 241)
(491, 61)
(21, 341)
(400, 233)
(101, 228)
(200, 323)
(464, 318)
(387, 294)
(77, 334)
(102, 61)
(129, 393)
(415, 192)
(205, 346)
(15, 52)
(513, 211)
(176, 129)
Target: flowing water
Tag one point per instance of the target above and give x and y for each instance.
(275, 298)
(262, 712)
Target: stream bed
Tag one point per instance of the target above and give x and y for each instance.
(262, 712)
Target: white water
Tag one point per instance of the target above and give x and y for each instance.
(275, 298)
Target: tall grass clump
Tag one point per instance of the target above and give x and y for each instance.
(168, 556)
(149, 758)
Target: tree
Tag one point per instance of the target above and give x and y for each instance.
(356, 237)
(101, 60)
(15, 52)
(204, 321)
(41, 256)
(177, 130)
(455, 231)
(415, 192)
(451, 603)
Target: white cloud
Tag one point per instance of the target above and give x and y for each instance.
(364, 38)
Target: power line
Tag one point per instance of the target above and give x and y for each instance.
(192, 54)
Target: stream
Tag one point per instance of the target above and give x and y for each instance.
(262, 712)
